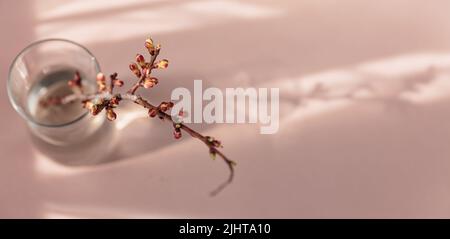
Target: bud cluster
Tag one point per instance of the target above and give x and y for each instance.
(142, 68)
(96, 105)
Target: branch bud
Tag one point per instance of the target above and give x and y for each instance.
(162, 64)
(95, 109)
(149, 45)
(150, 82)
(110, 114)
(177, 133)
(213, 142)
(212, 154)
(101, 77)
(134, 68)
(164, 106)
(140, 60)
(115, 100)
(118, 83)
(76, 81)
(152, 112)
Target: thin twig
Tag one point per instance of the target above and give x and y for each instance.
(105, 98)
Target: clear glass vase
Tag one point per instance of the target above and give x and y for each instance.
(67, 133)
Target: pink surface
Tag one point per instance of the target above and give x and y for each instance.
(364, 132)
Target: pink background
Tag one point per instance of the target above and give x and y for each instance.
(364, 110)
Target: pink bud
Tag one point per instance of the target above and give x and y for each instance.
(150, 82)
(94, 109)
(101, 86)
(101, 77)
(152, 112)
(111, 115)
(149, 43)
(87, 104)
(177, 134)
(140, 60)
(164, 106)
(212, 154)
(118, 83)
(134, 68)
(115, 100)
(162, 64)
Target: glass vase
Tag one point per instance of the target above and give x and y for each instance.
(65, 132)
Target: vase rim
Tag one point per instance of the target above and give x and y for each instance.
(13, 100)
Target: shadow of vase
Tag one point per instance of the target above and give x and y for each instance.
(95, 149)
